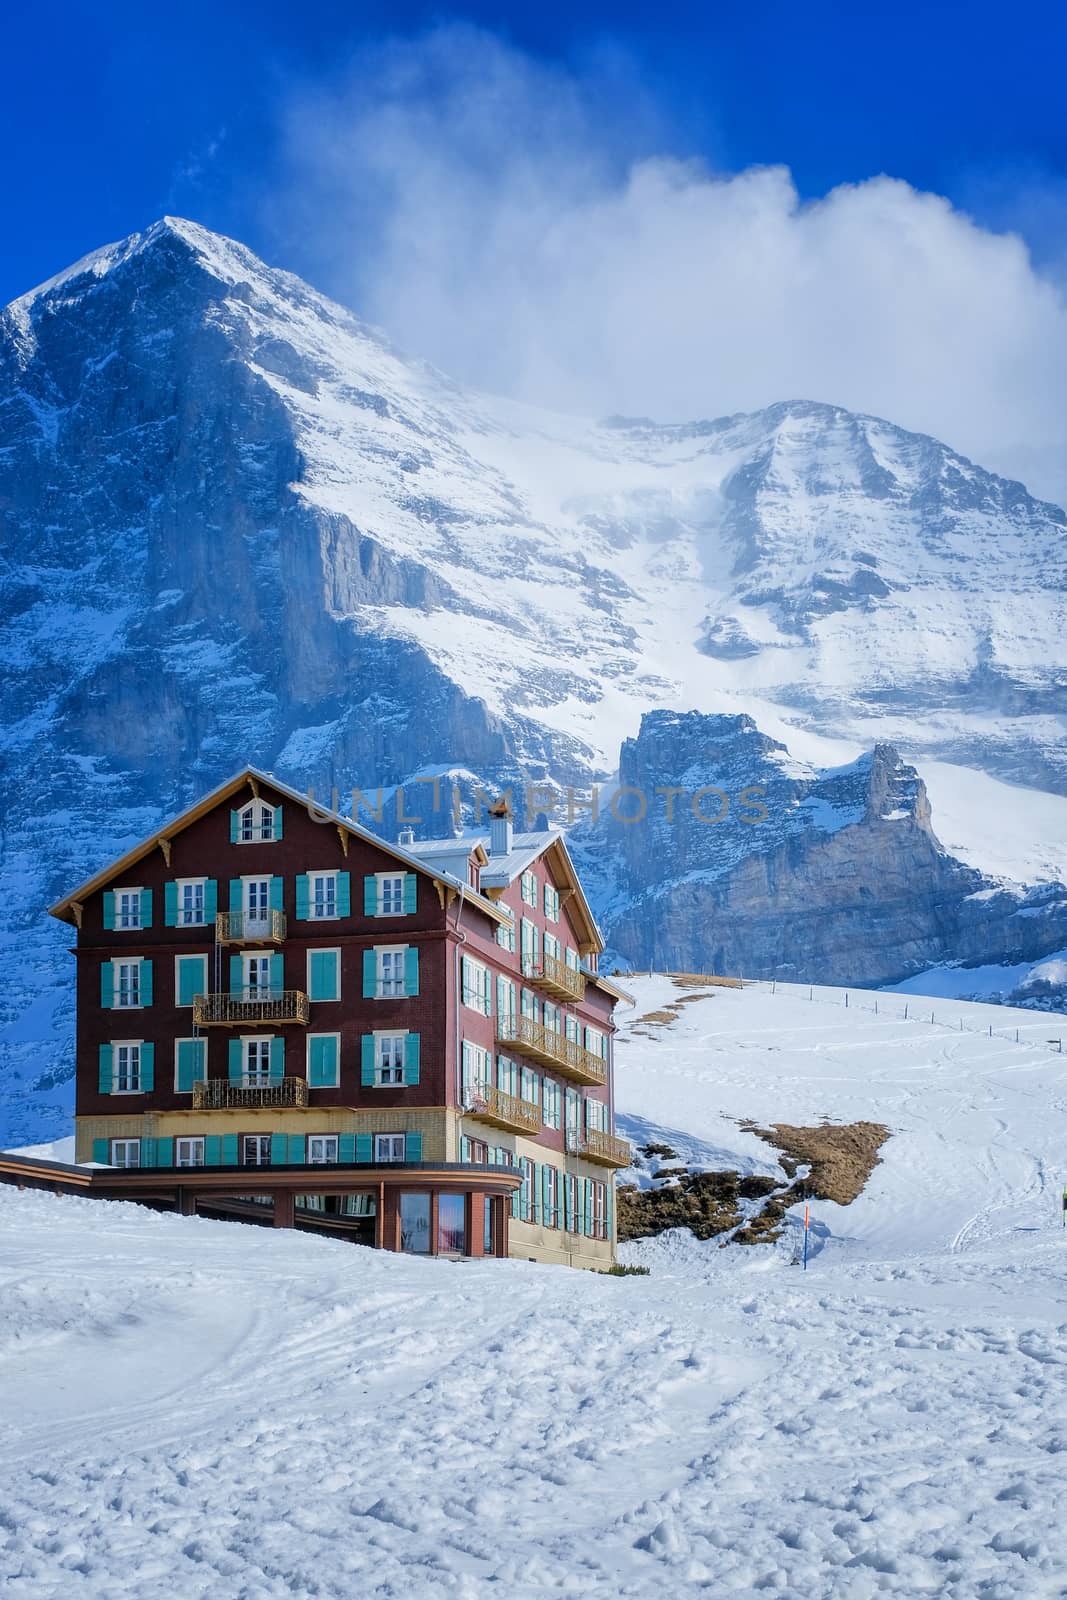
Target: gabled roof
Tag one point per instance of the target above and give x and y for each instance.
(64, 909)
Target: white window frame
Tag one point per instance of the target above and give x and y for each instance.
(380, 1036)
(528, 888)
(324, 950)
(126, 1143)
(330, 1139)
(125, 1044)
(259, 1039)
(189, 955)
(262, 813)
(307, 1059)
(380, 880)
(188, 1139)
(476, 1068)
(180, 918)
(380, 1144)
(381, 950)
(264, 1140)
(505, 936)
(116, 988)
(325, 916)
(247, 958)
(551, 1113)
(246, 915)
(550, 902)
(530, 1080)
(484, 1005)
(128, 927)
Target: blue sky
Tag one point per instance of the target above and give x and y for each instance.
(113, 113)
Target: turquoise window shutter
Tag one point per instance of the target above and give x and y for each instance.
(303, 895)
(107, 985)
(546, 1194)
(192, 978)
(170, 905)
(146, 983)
(105, 1068)
(236, 895)
(297, 1156)
(370, 974)
(568, 1220)
(277, 822)
(609, 1196)
(366, 1060)
(164, 1152)
(323, 975)
(277, 1060)
(146, 908)
(148, 1153)
(229, 1150)
(188, 1062)
(211, 899)
(364, 1148)
(213, 1150)
(148, 1068)
(411, 970)
(235, 1061)
(464, 1148)
(322, 1065)
(346, 1149)
(101, 1153)
(411, 891)
(277, 970)
(370, 896)
(587, 1206)
(235, 826)
(279, 1149)
(344, 894)
(109, 908)
(237, 974)
(277, 894)
(413, 1147)
(411, 1059)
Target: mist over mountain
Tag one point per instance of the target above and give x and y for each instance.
(237, 524)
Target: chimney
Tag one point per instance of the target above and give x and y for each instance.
(406, 838)
(500, 832)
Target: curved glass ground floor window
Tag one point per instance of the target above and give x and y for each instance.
(415, 1222)
(451, 1224)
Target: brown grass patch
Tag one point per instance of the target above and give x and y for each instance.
(700, 980)
(841, 1156)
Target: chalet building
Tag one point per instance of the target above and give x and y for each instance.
(283, 1017)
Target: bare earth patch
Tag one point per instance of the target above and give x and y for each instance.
(841, 1155)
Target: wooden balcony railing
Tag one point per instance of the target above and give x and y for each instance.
(246, 1005)
(237, 927)
(597, 1146)
(554, 977)
(218, 1094)
(551, 1049)
(503, 1110)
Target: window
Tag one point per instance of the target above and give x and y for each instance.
(600, 1224)
(572, 1029)
(189, 1152)
(257, 977)
(322, 896)
(570, 1203)
(526, 1191)
(529, 942)
(324, 974)
(573, 1105)
(256, 1063)
(551, 1017)
(323, 1060)
(571, 959)
(529, 1004)
(476, 986)
(550, 1196)
(389, 1059)
(451, 1224)
(551, 903)
(256, 895)
(125, 1152)
(127, 908)
(477, 1070)
(596, 1115)
(528, 889)
(390, 972)
(255, 1150)
(415, 1223)
(127, 1069)
(531, 1086)
(192, 901)
(127, 984)
(190, 978)
(596, 1042)
(388, 1147)
(488, 1242)
(507, 1076)
(322, 1147)
(473, 874)
(505, 936)
(256, 822)
(390, 894)
(550, 1103)
(190, 1064)
(505, 999)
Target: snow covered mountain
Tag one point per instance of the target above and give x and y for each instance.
(237, 524)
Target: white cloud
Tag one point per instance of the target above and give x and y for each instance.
(515, 225)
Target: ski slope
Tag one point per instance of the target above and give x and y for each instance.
(207, 1410)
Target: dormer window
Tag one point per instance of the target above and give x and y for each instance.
(256, 822)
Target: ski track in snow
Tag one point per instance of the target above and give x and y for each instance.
(210, 1410)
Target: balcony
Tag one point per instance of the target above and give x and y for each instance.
(487, 1104)
(604, 1148)
(551, 1049)
(249, 1005)
(217, 1094)
(554, 977)
(237, 927)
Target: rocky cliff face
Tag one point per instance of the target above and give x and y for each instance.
(766, 866)
(236, 524)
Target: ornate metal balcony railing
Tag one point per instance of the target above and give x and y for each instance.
(597, 1146)
(237, 927)
(503, 1110)
(231, 1010)
(218, 1094)
(554, 976)
(551, 1049)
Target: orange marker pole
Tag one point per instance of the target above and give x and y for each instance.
(806, 1220)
